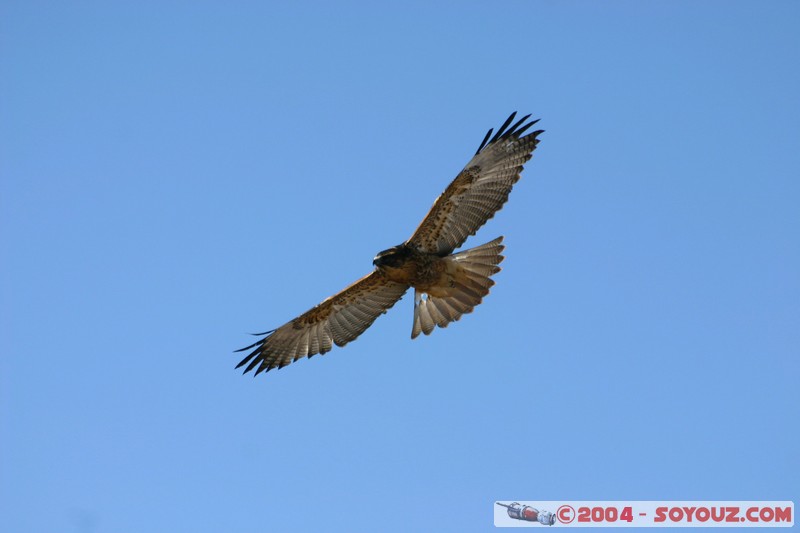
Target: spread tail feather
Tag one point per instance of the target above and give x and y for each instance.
(470, 283)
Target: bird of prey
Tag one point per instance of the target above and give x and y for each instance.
(446, 284)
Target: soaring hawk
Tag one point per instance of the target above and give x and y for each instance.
(446, 284)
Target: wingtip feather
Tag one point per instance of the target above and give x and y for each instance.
(507, 130)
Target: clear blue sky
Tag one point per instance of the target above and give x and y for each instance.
(175, 175)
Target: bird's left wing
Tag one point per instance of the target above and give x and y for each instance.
(479, 191)
(338, 320)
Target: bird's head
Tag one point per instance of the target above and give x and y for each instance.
(394, 257)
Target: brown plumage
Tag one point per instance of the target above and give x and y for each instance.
(446, 284)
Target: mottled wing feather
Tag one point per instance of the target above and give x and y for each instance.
(338, 320)
(479, 191)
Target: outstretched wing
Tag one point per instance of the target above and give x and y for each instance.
(338, 320)
(479, 191)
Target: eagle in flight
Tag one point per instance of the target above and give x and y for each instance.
(446, 284)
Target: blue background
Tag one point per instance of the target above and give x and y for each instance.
(175, 175)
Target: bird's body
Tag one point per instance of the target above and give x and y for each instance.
(405, 264)
(446, 284)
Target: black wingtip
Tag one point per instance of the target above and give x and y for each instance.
(248, 358)
(248, 347)
(504, 131)
(484, 141)
(254, 363)
(254, 358)
(260, 341)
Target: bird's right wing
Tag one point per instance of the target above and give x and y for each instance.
(338, 320)
(479, 190)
